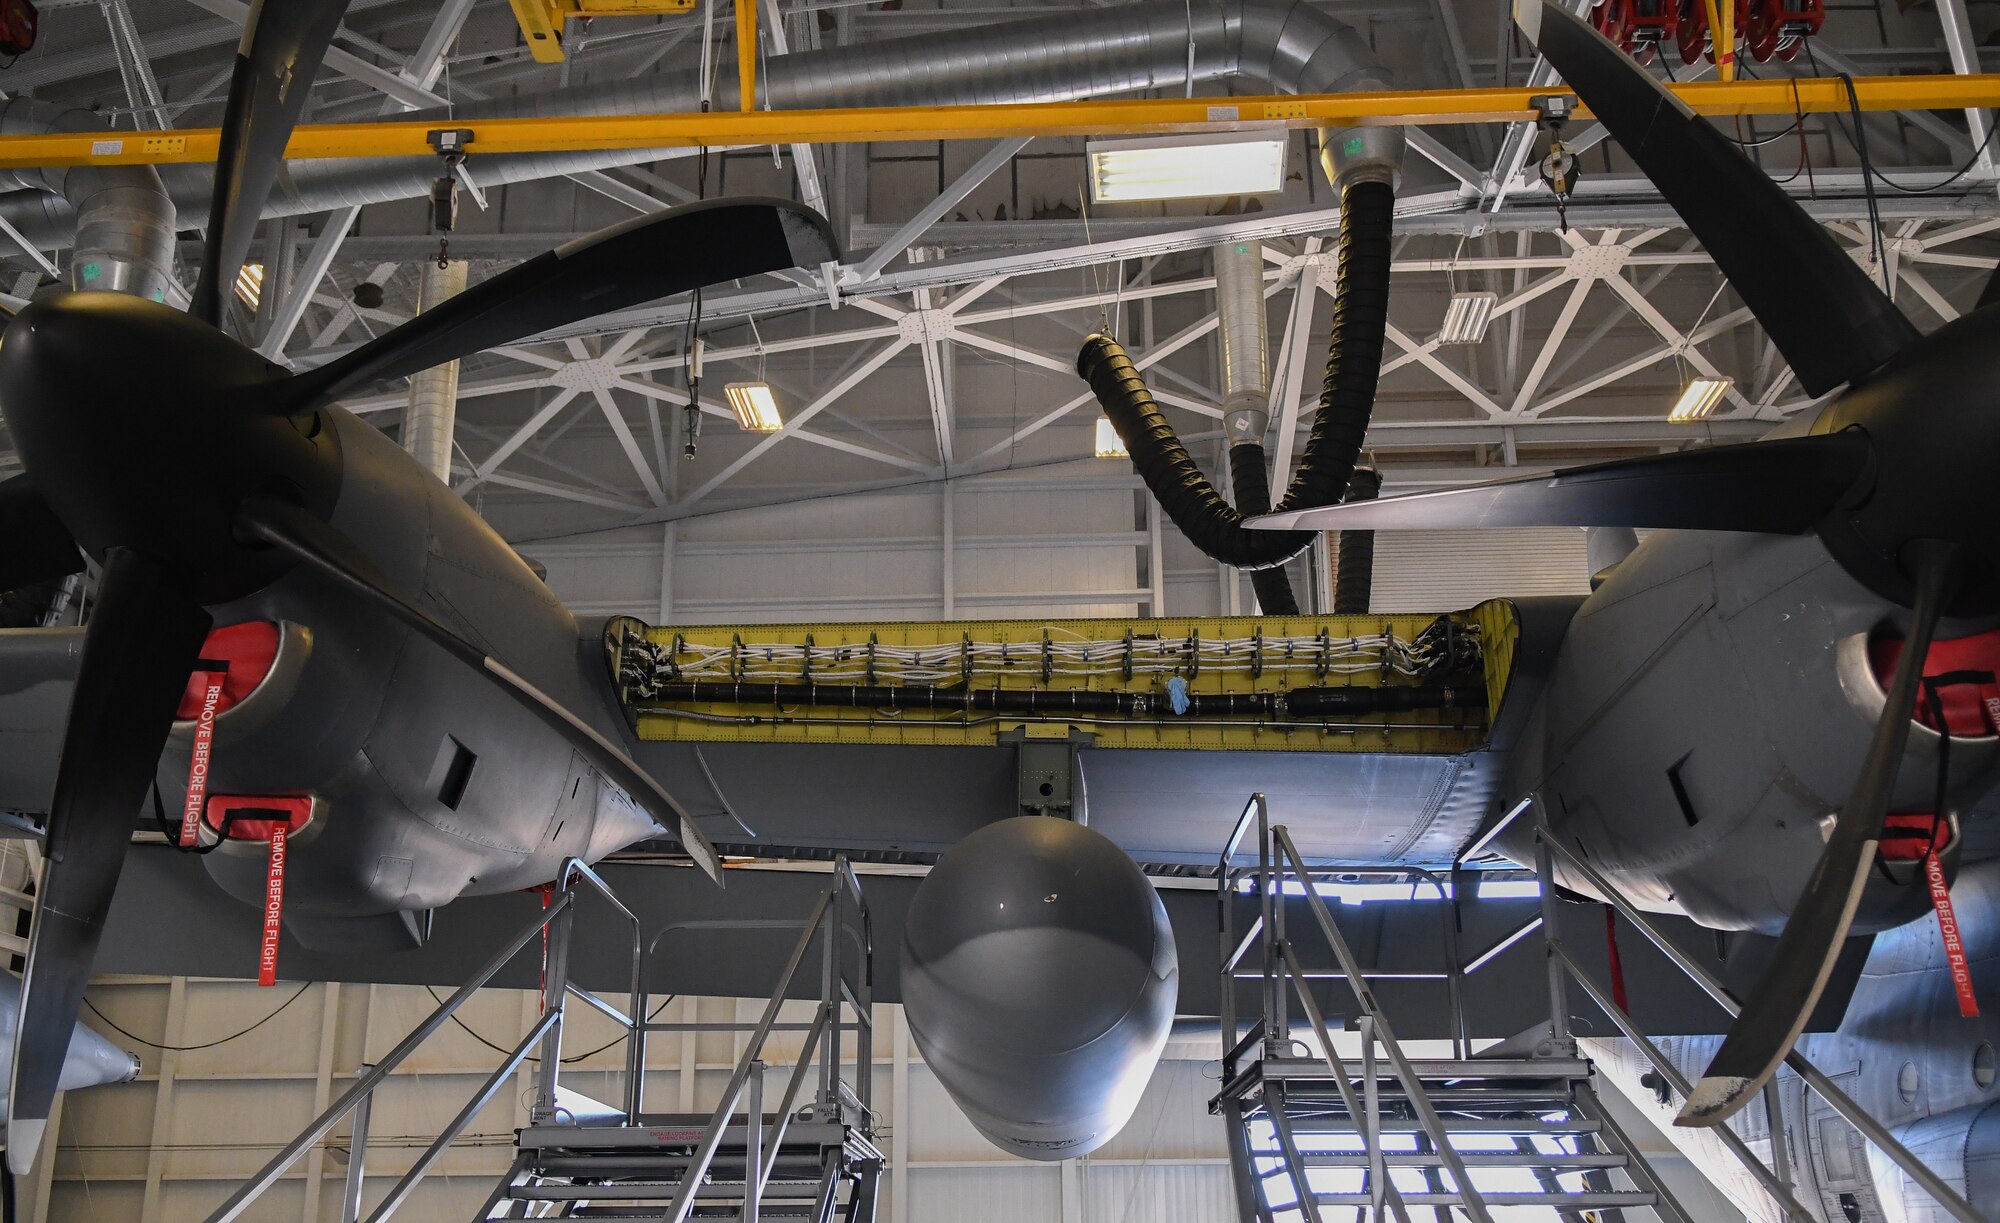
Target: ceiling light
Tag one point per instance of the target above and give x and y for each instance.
(250, 283)
(1184, 167)
(1466, 317)
(1700, 399)
(756, 410)
(1109, 444)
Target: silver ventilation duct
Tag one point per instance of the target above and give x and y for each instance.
(1246, 362)
(431, 416)
(1282, 46)
(121, 217)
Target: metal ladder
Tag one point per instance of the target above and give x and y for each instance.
(579, 1159)
(1313, 1137)
(740, 1161)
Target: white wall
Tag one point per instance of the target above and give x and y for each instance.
(999, 547)
(176, 1142)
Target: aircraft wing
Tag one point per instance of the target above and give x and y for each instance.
(37, 672)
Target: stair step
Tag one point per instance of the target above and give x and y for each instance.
(657, 1167)
(780, 1210)
(1452, 1125)
(1572, 1201)
(1471, 1159)
(659, 1191)
(800, 1136)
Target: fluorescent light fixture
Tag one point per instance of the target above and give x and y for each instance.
(1700, 399)
(1187, 167)
(1109, 444)
(756, 410)
(1466, 317)
(250, 283)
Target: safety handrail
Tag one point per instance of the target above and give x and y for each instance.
(557, 987)
(1364, 995)
(365, 1085)
(1381, 1188)
(732, 1093)
(1814, 1079)
(1257, 812)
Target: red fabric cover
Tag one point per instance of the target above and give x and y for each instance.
(248, 648)
(1971, 710)
(220, 805)
(1907, 836)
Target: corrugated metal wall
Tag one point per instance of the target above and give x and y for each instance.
(1420, 570)
(998, 549)
(172, 1145)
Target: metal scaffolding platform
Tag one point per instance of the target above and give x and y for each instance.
(581, 1159)
(1313, 1135)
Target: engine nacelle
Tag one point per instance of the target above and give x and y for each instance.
(1962, 1146)
(1039, 980)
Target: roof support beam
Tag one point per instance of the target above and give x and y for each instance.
(344, 62)
(999, 155)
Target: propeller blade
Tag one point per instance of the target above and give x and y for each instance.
(143, 639)
(1779, 487)
(321, 547)
(1776, 1011)
(1831, 322)
(639, 261)
(1990, 293)
(34, 544)
(283, 44)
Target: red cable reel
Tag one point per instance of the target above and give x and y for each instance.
(1780, 27)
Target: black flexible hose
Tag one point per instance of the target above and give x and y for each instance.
(1253, 497)
(1354, 575)
(1346, 400)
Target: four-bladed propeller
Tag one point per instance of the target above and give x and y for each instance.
(1890, 476)
(110, 478)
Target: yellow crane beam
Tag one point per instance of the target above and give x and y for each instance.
(542, 21)
(404, 138)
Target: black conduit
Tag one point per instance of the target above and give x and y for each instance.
(1253, 496)
(1346, 400)
(1354, 575)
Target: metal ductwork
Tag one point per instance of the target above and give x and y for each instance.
(1246, 344)
(1285, 46)
(1246, 398)
(121, 217)
(432, 414)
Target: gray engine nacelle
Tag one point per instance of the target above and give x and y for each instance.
(1039, 980)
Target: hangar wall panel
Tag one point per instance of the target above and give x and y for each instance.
(1000, 549)
(171, 1146)
(1448, 569)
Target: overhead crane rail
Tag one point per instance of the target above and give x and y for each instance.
(1132, 116)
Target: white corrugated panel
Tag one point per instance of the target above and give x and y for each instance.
(1157, 1193)
(1441, 570)
(1011, 1192)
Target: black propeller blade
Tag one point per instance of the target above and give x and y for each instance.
(1778, 487)
(323, 548)
(34, 544)
(283, 44)
(641, 260)
(1825, 315)
(1776, 1011)
(143, 640)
